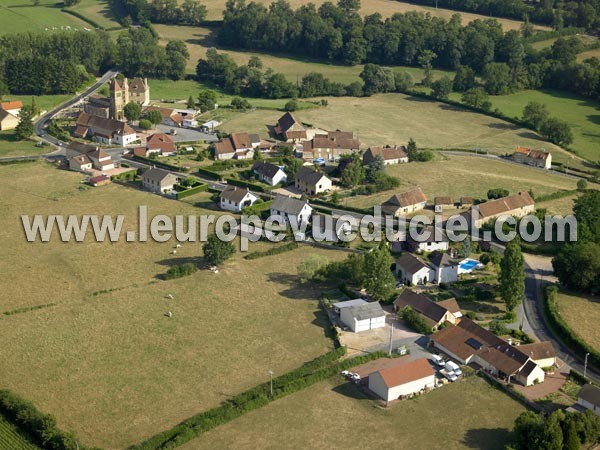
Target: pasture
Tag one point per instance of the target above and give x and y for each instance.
(18, 16)
(103, 345)
(458, 176)
(11, 438)
(582, 314)
(562, 206)
(394, 118)
(99, 11)
(10, 146)
(334, 415)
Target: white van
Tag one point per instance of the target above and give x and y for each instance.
(453, 367)
(437, 360)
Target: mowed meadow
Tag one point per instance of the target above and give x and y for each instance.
(582, 314)
(100, 354)
(334, 414)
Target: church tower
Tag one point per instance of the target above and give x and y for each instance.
(119, 97)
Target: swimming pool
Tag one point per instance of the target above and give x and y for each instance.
(467, 265)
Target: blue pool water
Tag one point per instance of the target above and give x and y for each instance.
(469, 264)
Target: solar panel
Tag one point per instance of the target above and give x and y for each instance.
(474, 343)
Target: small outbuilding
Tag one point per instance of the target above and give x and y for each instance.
(589, 398)
(404, 379)
(363, 317)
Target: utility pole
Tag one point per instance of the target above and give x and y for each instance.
(585, 364)
(270, 372)
(391, 339)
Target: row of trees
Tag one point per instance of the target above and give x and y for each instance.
(577, 264)
(338, 33)
(38, 64)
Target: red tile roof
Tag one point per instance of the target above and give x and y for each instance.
(405, 372)
(15, 104)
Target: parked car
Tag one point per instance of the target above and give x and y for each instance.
(453, 367)
(438, 360)
(450, 376)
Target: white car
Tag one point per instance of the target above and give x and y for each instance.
(438, 360)
(451, 376)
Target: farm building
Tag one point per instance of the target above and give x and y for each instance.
(237, 146)
(536, 158)
(390, 155)
(337, 307)
(290, 129)
(330, 146)
(518, 205)
(170, 117)
(405, 203)
(363, 317)
(403, 379)
(441, 203)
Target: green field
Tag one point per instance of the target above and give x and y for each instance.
(99, 11)
(10, 146)
(106, 349)
(458, 176)
(11, 438)
(466, 414)
(17, 16)
(582, 114)
(582, 314)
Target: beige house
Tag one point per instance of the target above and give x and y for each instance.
(105, 131)
(290, 129)
(518, 205)
(403, 379)
(542, 353)
(9, 114)
(237, 146)
(442, 203)
(311, 182)
(330, 146)
(390, 155)
(158, 180)
(405, 203)
(536, 158)
(85, 157)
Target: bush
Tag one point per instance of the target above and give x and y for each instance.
(292, 105)
(145, 124)
(273, 251)
(180, 270)
(414, 320)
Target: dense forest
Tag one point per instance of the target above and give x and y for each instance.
(339, 34)
(37, 64)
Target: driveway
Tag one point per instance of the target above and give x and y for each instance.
(188, 134)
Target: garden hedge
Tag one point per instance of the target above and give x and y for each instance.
(202, 187)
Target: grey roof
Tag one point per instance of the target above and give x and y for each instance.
(441, 259)
(309, 176)
(81, 147)
(590, 393)
(366, 311)
(347, 303)
(265, 169)
(528, 368)
(410, 262)
(157, 174)
(234, 193)
(288, 205)
(421, 304)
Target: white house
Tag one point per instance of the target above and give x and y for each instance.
(404, 379)
(445, 268)
(427, 243)
(363, 317)
(235, 198)
(289, 207)
(269, 173)
(411, 269)
(589, 398)
(190, 122)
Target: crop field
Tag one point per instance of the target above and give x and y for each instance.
(334, 415)
(582, 314)
(100, 340)
(386, 8)
(19, 16)
(470, 176)
(11, 438)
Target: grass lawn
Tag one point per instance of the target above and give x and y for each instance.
(99, 11)
(10, 146)
(334, 415)
(470, 176)
(18, 16)
(582, 313)
(11, 438)
(582, 114)
(589, 54)
(384, 7)
(105, 349)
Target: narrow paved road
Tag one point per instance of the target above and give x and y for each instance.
(538, 270)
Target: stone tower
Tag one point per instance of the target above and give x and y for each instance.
(119, 97)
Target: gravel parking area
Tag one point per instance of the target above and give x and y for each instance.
(188, 135)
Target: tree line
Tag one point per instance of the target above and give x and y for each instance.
(338, 33)
(41, 64)
(189, 12)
